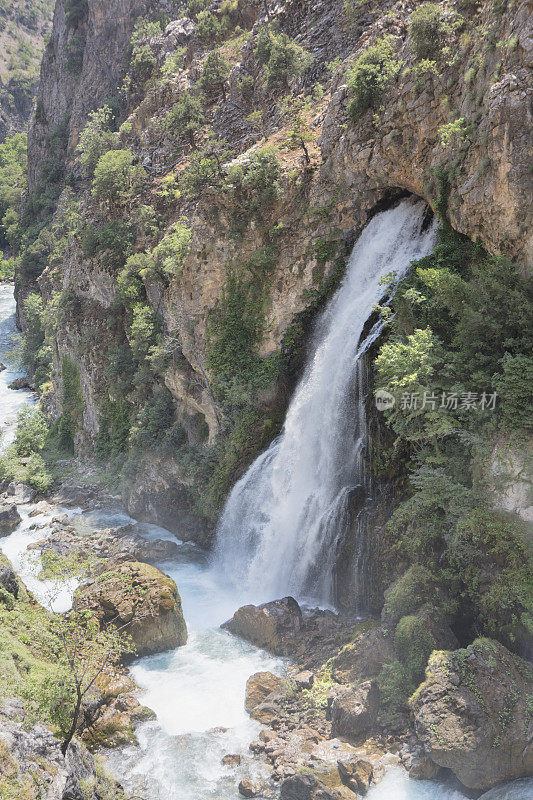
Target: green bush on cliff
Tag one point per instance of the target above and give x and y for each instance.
(97, 138)
(32, 432)
(414, 644)
(171, 251)
(416, 587)
(395, 687)
(185, 117)
(282, 58)
(258, 178)
(12, 184)
(71, 403)
(207, 25)
(427, 30)
(35, 352)
(513, 385)
(143, 59)
(369, 76)
(460, 331)
(117, 178)
(215, 73)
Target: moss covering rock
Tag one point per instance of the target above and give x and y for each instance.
(140, 599)
(472, 713)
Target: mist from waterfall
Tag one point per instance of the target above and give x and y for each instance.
(285, 519)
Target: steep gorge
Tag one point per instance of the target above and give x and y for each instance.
(197, 177)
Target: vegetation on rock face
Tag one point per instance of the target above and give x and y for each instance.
(369, 76)
(460, 337)
(24, 26)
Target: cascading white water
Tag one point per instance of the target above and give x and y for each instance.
(283, 520)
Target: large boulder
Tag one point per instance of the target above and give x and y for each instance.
(353, 710)
(8, 580)
(33, 768)
(471, 714)
(315, 786)
(141, 598)
(9, 519)
(271, 626)
(259, 687)
(364, 657)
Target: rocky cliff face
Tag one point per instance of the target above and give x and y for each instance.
(478, 80)
(23, 29)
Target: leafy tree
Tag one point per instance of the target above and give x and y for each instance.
(143, 58)
(171, 251)
(427, 30)
(185, 117)
(142, 331)
(12, 185)
(207, 25)
(86, 651)
(299, 132)
(97, 138)
(215, 73)
(259, 178)
(205, 168)
(454, 132)
(369, 76)
(116, 177)
(282, 57)
(32, 432)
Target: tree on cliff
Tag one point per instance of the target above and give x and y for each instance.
(85, 651)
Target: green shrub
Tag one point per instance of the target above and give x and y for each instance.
(112, 241)
(414, 644)
(369, 76)
(173, 63)
(514, 389)
(32, 432)
(71, 403)
(142, 331)
(416, 587)
(395, 688)
(215, 73)
(7, 269)
(117, 178)
(130, 286)
(13, 159)
(489, 553)
(97, 138)
(113, 429)
(185, 117)
(234, 331)
(207, 25)
(35, 353)
(282, 57)
(155, 421)
(37, 475)
(426, 30)
(143, 59)
(259, 178)
(171, 251)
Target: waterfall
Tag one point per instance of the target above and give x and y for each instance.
(286, 517)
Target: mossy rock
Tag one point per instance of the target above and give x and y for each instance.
(139, 599)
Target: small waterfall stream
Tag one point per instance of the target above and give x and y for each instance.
(285, 518)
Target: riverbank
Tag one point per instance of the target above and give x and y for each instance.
(202, 741)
